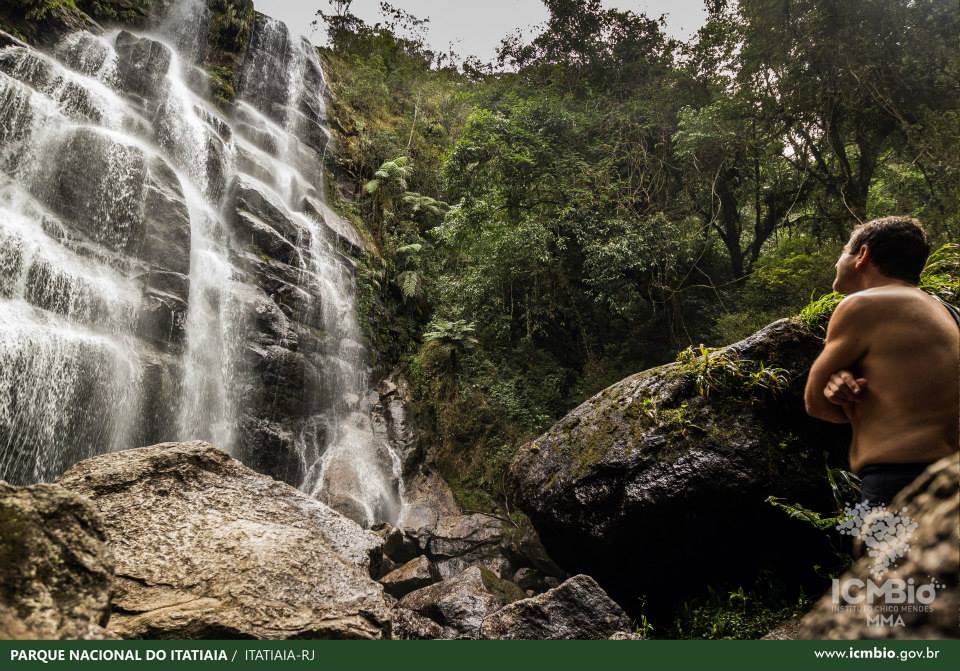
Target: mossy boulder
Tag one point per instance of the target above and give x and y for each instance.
(657, 486)
(44, 22)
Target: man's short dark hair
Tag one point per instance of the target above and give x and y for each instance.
(898, 246)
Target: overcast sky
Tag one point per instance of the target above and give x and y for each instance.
(476, 28)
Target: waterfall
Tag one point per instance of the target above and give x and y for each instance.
(170, 272)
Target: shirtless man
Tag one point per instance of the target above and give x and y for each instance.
(891, 362)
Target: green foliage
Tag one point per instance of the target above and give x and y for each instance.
(231, 23)
(780, 284)
(817, 314)
(37, 10)
(941, 274)
(735, 614)
(844, 485)
(799, 512)
(644, 628)
(713, 369)
(616, 196)
(221, 84)
(455, 333)
(125, 11)
(391, 177)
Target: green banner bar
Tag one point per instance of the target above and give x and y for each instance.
(478, 655)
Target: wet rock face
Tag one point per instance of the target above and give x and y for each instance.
(171, 272)
(142, 65)
(269, 52)
(138, 208)
(55, 566)
(577, 609)
(207, 548)
(648, 482)
(261, 221)
(139, 212)
(931, 558)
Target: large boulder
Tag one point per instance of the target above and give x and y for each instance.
(461, 602)
(931, 564)
(665, 474)
(55, 567)
(577, 609)
(207, 548)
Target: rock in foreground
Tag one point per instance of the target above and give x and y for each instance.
(460, 603)
(655, 480)
(577, 609)
(207, 548)
(55, 568)
(932, 501)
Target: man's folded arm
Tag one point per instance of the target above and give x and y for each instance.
(845, 345)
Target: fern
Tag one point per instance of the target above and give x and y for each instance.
(457, 332)
(799, 512)
(410, 284)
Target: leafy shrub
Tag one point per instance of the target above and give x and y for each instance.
(37, 10)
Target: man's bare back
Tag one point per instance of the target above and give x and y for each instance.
(890, 364)
(910, 409)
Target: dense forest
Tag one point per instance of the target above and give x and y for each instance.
(604, 196)
(521, 321)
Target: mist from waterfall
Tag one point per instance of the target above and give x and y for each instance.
(166, 268)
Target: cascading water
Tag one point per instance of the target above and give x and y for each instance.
(167, 273)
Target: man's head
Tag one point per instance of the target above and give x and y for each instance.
(891, 248)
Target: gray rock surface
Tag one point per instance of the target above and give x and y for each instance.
(625, 636)
(416, 573)
(409, 626)
(428, 500)
(460, 541)
(577, 609)
(142, 65)
(932, 501)
(642, 483)
(462, 601)
(55, 566)
(8, 40)
(207, 548)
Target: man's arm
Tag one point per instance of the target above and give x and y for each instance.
(845, 345)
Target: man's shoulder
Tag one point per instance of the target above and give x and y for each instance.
(872, 305)
(886, 305)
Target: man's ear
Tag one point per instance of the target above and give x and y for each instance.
(863, 257)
